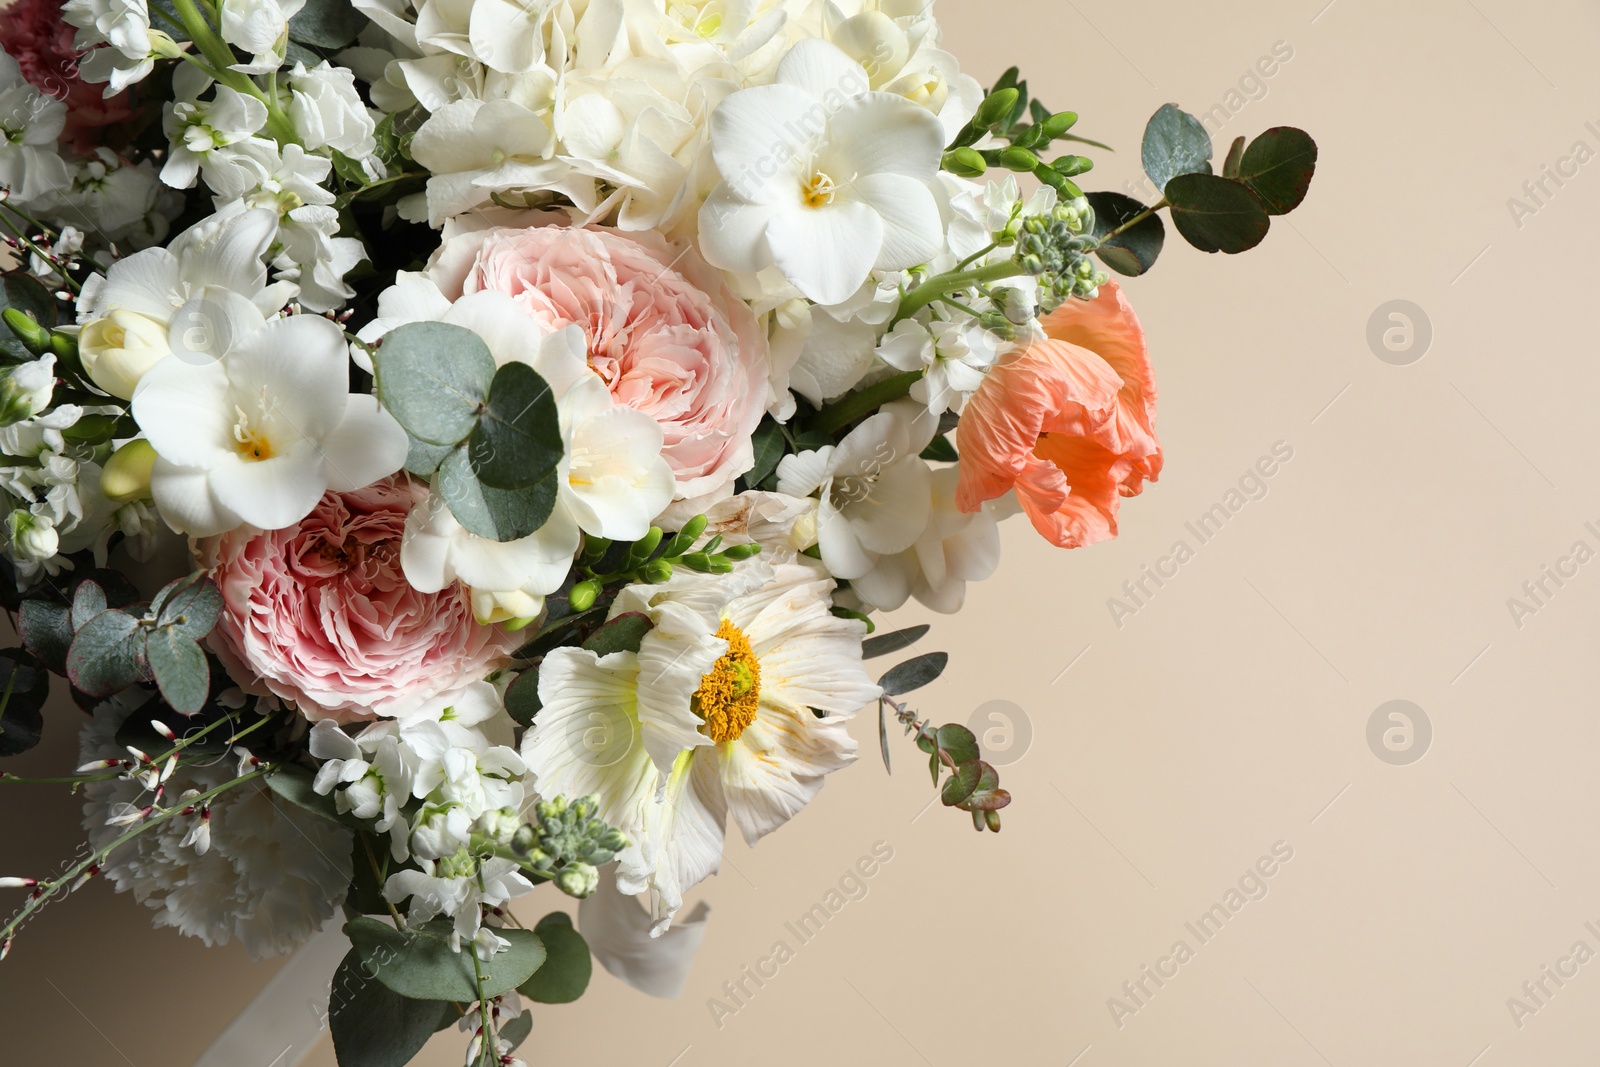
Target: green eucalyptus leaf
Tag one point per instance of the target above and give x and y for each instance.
(372, 1025)
(959, 786)
(180, 669)
(192, 608)
(498, 514)
(434, 379)
(1217, 214)
(624, 633)
(1278, 166)
(958, 743)
(88, 600)
(24, 685)
(517, 442)
(1175, 143)
(567, 966)
(883, 644)
(419, 962)
(424, 459)
(105, 654)
(1230, 166)
(915, 673)
(46, 630)
(326, 24)
(515, 1032)
(522, 697)
(293, 784)
(1134, 250)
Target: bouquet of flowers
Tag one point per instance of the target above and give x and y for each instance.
(453, 447)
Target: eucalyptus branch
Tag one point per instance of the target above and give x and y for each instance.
(1140, 217)
(46, 891)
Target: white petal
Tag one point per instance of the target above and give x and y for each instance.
(827, 252)
(884, 134)
(272, 493)
(893, 515)
(913, 232)
(300, 367)
(763, 139)
(618, 930)
(733, 234)
(841, 549)
(183, 496)
(776, 767)
(823, 71)
(367, 445)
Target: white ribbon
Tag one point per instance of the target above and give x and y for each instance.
(287, 1018)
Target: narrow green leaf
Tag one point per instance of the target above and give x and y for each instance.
(24, 685)
(434, 378)
(517, 442)
(567, 967)
(1230, 166)
(622, 634)
(1175, 143)
(940, 450)
(1216, 214)
(522, 697)
(769, 446)
(913, 674)
(883, 644)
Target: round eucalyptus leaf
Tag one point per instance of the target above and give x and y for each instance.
(434, 379)
(1217, 214)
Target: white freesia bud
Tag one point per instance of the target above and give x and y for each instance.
(118, 349)
(33, 537)
(873, 40)
(490, 608)
(126, 476)
(25, 390)
(327, 112)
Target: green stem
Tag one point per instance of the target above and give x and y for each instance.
(46, 891)
(69, 281)
(1140, 217)
(220, 57)
(838, 415)
(953, 282)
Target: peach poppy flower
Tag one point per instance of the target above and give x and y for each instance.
(1069, 423)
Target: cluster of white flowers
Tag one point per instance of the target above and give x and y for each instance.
(432, 785)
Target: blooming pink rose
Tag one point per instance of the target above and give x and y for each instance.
(35, 35)
(320, 613)
(664, 334)
(1069, 423)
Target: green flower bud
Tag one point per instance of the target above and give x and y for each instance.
(1033, 264)
(742, 552)
(583, 595)
(646, 547)
(126, 476)
(965, 163)
(697, 561)
(594, 548)
(997, 109)
(1019, 159)
(1060, 123)
(33, 336)
(524, 840)
(578, 880)
(656, 572)
(721, 565)
(1072, 166)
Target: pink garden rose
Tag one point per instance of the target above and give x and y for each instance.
(664, 333)
(320, 613)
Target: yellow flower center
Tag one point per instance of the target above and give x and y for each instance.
(819, 190)
(251, 444)
(727, 696)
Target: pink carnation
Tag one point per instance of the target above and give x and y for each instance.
(35, 35)
(321, 614)
(664, 334)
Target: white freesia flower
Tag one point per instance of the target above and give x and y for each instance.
(260, 27)
(954, 356)
(123, 26)
(822, 177)
(875, 491)
(744, 685)
(253, 421)
(612, 478)
(197, 128)
(327, 111)
(30, 122)
(126, 314)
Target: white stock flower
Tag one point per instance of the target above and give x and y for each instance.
(875, 490)
(954, 356)
(822, 177)
(734, 706)
(253, 421)
(123, 26)
(198, 128)
(30, 122)
(473, 148)
(125, 200)
(327, 111)
(260, 27)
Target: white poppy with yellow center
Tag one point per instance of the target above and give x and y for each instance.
(734, 706)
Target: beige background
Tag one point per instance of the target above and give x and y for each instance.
(1230, 712)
